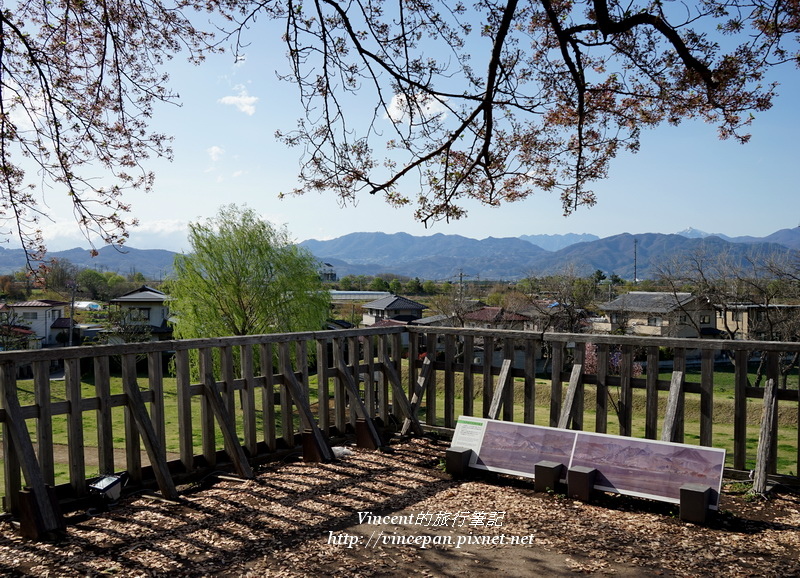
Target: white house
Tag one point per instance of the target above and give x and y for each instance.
(40, 315)
(146, 307)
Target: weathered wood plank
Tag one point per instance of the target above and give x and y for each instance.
(401, 404)
(679, 364)
(228, 378)
(706, 397)
(292, 387)
(651, 396)
(766, 433)
(15, 429)
(339, 397)
(669, 429)
(626, 392)
(184, 400)
(44, 423)
(77, 460)
(105, 433)
(431, 388)
(469, 381)
(133, 451)
(601, 403)
(268, 396)
(248, 400)
(488, 361)
(222, 414)
(286, 370)
(740, 410)
(152, 444)
(577, 411)
(207, 424)
(411, 409)
(557, 361)
(529, 394)
(508, 387)
(355, 401)
(449, 381)
(383, 394)
(370, 390)
(499, 397)
(570, 400)
(323, 386)
(155, 379)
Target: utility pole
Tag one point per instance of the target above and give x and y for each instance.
(73, 285)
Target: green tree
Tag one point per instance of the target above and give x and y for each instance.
(429, 287)
(414, 287)
(378, 284)
(93, 283)
(245, 277)
(395, 286)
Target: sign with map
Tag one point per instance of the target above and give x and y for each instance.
(636, 467)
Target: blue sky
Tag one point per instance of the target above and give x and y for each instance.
(225, 152)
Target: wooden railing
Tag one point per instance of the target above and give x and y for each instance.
(170, 411)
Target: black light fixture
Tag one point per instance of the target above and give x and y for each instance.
(109, 487)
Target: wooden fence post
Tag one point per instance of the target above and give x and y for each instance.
(765, 437)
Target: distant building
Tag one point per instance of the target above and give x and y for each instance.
(39, 316)
(398, 309)
(658, 314)
(327, 273)
(774, 322)
(145, 307)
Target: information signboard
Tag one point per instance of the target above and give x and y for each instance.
(636, 467)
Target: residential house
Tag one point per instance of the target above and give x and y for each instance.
(495, 318)
(658, 314)
(552, 316)
(39, 316)
(147, 308)
(394, 307)
(774, 322)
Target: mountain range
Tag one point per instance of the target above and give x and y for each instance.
(443, 257)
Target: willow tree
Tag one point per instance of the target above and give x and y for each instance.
(244, 276)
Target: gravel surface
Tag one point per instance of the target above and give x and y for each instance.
(397, 513)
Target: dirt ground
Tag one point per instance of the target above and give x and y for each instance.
(397, 513)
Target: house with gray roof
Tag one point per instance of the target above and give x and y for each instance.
(658, 314)
(391, 307)
(147, 308)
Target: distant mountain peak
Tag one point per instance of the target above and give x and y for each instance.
(692, 233)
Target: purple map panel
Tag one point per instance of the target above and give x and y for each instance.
(516, 447)
(636, 467)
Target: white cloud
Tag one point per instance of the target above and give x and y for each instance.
(425, 106)
(215, 153)
(242, 101)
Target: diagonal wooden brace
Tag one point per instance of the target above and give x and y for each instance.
(51, 520)
(400, 398)
(355, 399)
(292, 387)
(569, 401)
(502, 384)
(151, 442)
(232, 445)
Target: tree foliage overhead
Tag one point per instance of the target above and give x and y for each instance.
(493, 100)
(245, 277)
(434, 103)
(78, 81)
